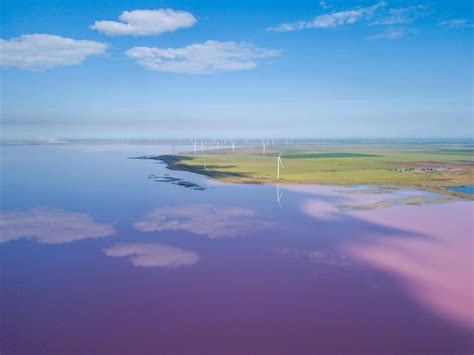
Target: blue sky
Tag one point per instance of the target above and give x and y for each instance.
(329, 69)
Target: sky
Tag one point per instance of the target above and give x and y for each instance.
(231, 69)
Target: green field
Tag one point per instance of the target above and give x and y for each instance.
(327, 155)
(429, 166)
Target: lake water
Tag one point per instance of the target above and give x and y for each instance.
(468, 189)
(100, 253)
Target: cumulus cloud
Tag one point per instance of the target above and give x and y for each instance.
(331, 20)
(146, 22)
(44, 51)
(392, 33)
(456, 23)
(203, 219)
(201, 58)
(153, 255)
(50, 226)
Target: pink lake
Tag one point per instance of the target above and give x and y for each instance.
(96, 257)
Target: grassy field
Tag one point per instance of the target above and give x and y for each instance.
(428, 167)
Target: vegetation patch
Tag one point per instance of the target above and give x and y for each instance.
(358, 164)
(327, 155)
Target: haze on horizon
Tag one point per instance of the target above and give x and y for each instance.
(319, 69)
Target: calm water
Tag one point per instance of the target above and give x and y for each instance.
(468, 189)
(104, 254)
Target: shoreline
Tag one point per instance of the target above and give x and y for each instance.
(177, 163)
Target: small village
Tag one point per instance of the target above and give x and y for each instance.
(424, 170)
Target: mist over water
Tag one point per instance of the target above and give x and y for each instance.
(102, 253)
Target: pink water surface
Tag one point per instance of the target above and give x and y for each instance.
(121, 264)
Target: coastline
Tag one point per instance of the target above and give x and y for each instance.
(178, 163)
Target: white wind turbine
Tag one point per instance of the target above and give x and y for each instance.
(195, 147)
(279, 162)
(233, 146)
(263, 148)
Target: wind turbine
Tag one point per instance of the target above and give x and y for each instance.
(279, 162)
(195, 147)
(263, 147)
(233, 147)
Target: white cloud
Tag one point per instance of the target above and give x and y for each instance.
(331, 20)
(201, 58)
(50, 226)
(392, 33)
(146, 22)
(44, 51)
(402, 15)
(154, 255)
(204, 219)
(456, 23)
(324, 5)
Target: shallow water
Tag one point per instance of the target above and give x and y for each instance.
(468, 189)
(98, 257)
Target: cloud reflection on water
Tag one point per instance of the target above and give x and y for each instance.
(50, 226)
(204, 219)
(428, 248)
(437, 271)
(327, 258)
(153, 254)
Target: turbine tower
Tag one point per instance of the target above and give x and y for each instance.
(279, 162)
(233, 147)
